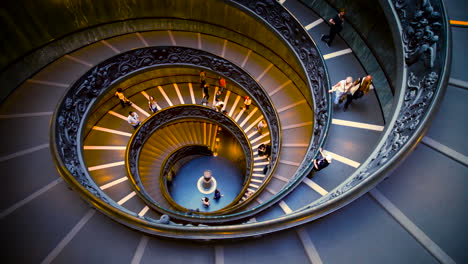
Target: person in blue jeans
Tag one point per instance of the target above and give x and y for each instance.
(153, 106)
(340, 89)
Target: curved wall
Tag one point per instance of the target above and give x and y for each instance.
(38, 38)
(368, 33)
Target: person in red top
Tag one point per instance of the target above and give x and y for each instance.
(247, 103)
(222, 84)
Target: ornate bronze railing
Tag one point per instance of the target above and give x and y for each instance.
(105, 104)
(72, 114)
(292, 32)
(425, 38)
(426, 42)
(172, 115)
(171, 160)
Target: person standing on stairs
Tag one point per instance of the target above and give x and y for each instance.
(133, 119)
(206, 201)
(336, 25)
(261, 126)
(219, 104)
(322, 163)
(202, 78)
(123, 100)
(218, 95)
(341, 89)
(206, 95)
(217, 195)
(247, 103)
(359, 88)
(264, 150)
(222, 84)
(153, 106)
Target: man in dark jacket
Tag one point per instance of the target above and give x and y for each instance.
(336, 25)
(323, 162)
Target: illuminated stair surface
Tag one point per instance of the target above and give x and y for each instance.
(418, 210)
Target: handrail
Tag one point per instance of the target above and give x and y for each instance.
(242, 80)
(423, 87)
(424, 83)
(365, 53)
(72, 114)
(289, 29)
(171, 115)
(114, 70)
(107, 103)
(168, 164)
(95, 33)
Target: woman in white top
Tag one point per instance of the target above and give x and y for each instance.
(341, 88)
(261, 126)
(153, 106)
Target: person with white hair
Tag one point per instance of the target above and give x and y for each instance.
(322, 163)
(261, 126)
(133, 119)
(340, 89)
(359, 88)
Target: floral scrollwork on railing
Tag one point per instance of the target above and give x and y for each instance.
(183, 152)
(288, 28)
(79, 101)
(424, 42)
(423, 89)
(421, 32)
(173, 115)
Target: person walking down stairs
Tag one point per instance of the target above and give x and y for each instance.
(133, 119)
(123, 100)
(336, 25)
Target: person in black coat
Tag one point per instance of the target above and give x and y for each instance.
(264, 150)
(322, 163)
(217, 194)
(336, 25)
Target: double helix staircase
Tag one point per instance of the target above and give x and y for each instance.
(42, 217)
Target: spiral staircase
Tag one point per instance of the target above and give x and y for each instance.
(409, 208)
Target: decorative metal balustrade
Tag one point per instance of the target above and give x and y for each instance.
(172, 115)
(71, 116)
(425, 40)
(174, 159)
